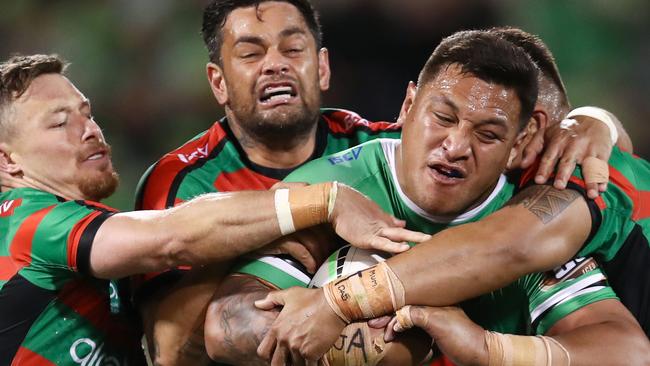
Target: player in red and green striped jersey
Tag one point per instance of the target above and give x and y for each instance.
(59, 247)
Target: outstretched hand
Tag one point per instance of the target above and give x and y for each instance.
(567, 144)
(363, 224)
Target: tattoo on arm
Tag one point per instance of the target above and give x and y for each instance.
(242, 326)
(544, 201)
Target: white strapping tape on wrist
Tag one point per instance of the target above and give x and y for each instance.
(599, 114)
(283, 211)
(332, 199)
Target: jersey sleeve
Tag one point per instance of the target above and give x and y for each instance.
(56, 241)
(555, 294)
(617, 211)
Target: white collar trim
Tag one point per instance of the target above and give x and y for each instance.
(389, 146)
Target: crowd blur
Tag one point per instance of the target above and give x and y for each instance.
(142, 63)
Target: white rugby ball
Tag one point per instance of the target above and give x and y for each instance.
(345, 261)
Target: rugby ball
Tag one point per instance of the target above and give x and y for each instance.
(345, 261)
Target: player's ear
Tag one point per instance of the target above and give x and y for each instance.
(324, 72)
(411, 89)
(7, 164)
(530, 134)
(217, 82)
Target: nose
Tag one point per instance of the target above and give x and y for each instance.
(92, 131)
(275, 63)
(456, 144)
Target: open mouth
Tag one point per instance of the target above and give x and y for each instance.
(448, 171)
(277, 92)
(96, 155)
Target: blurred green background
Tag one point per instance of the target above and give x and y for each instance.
(142, 62)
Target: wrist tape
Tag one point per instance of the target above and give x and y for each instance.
(367, 294)
(356, 346)
(300, 208)
(514, 350)
(598, 114)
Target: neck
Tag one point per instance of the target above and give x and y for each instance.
(460, 216)
(278, 152)
(12, 182)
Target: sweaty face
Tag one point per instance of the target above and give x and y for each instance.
(57, 145)
(457, 139)
(273, 72)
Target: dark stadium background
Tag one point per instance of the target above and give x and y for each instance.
(142, 62)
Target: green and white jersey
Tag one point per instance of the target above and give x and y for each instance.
(620, 234)
(529, 305)
(53, 311)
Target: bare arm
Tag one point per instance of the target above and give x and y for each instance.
(234, 329)
(460, 263)
(173, 317)
(211, 228)
(603, 333)
(219, 227)
(554, 224)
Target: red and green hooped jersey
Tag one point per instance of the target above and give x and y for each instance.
(214, 161)
(620, 230)
(53, 311)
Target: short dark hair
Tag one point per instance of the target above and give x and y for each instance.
(538, 52)
(17, 73)
(489, 58)
(217, 11)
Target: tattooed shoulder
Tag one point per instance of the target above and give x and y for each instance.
(545, 201)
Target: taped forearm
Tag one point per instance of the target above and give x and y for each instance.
(366, 294)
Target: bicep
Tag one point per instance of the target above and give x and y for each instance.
(549, 226)
(128, 243)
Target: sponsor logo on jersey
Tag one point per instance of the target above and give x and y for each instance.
(86, 352)
(353, 154)
(569, 271)
(7, 207)
(201, 152)
(351, 119)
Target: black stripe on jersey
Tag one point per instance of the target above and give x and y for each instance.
(594, 210)
(294, 263)
(86, 241)
(550, 308)
(178, 179)
(340, 261)
(21, 303)
(141, 188)
(275, 173)
(629, 275)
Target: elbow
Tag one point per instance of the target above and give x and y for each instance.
(639, 351)
(215, 335)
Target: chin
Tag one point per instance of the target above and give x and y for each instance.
(100, 186)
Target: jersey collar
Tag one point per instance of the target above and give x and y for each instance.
(389, 146)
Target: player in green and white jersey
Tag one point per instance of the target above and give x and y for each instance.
(460, 133)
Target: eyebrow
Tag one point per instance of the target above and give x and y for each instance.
(259, 41)
(444, 99)
(500, 122)
(62, 108)
(291, 31)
